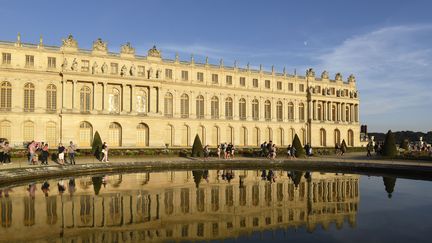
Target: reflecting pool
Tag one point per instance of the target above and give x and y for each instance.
(215, 205)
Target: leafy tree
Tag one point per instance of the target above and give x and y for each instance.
(405, 144)
(389, 148)
(197, 148)
(97, 146)
(389, 183)
(298, 146)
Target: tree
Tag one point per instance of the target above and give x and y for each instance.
(389, 148)
(97, 184)
(389, 183)
(97, 146)
(197, 148)
(405, 144)
(197, 175)
(298, 147)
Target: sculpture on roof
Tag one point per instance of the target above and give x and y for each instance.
(351, 78)
(325, 75)
(338, 77)
(70, 42)
(127, 49)
(310, 72)
(99, 45)
(154, 52)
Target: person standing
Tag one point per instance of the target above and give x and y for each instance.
(71, 152)
(232, 150)
(369, 149)
(206, 151)
(105, 152)
(6, 150)
(45, 154)
(218, 151)
(31, 150)
(289, 151)
(61, 151)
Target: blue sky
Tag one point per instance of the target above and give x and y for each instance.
(387, 45)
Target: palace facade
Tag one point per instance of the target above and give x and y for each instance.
(62, 94)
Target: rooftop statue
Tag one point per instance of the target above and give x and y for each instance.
(325, 75)
(351, 78)
(310, 72)
(70, 42)
(99, 45)
(127, 49)
(338, 77)
(153, 52)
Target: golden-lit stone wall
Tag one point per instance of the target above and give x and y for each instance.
(55, 94)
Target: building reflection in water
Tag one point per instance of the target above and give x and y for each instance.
(199, 205)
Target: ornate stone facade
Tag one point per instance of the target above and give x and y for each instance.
(55, 94)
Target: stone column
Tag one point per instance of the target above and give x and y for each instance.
(207, 105)
(153, 99)
(132, 99)
(63, 94)
(105, 97)
(75, 106)
(222, 98)
(161, 103)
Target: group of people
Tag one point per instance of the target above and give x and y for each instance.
(39, 152)
(5, 150)
(268, 150)
(227, 150)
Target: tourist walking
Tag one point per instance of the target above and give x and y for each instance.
(105, 152)
(293, 152)
(263, 149)
(71, 152)
(369, 149)
(45, 155)
(61, 152)
(6, 153)
(228, 151)
(289, 151)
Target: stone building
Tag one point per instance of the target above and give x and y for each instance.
(58, 94)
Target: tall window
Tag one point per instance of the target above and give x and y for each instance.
(279, 111)
(85, 99)
(334, 112)
(301, 112)
(114, 135)
(347, 113)
(215, 78)
(290, 111)
(200, 107)
(267, 110)
(267, 84)
(279, 85)
(350, 138)
(51, 96)
(290, 87)
(323, 139)
(5, 96)
(200, 76)
(5, 130)
(255, 109)
(184, 75)
(229, 108)
(29, 61)
(184, 106)
(168, 74)
(168, 105)
(215, 107)
(28, 132)
(142, 135)
(337, 136)
(242, 81)
(301, 87)
(141, 101)
(320, 112)
(51, 134)
(255, 83)
(6, 58)
(242, 109)
(114, 101)
(29, 97)
(229, 80)
(85, 134)
(51, 62)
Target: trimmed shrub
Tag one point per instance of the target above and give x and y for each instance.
(197, 148)
(389, 148)
(298, 146)
(97, 146)
(389, 183)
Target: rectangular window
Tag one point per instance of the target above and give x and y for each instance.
(6, 58)
(184, 75)
(279, 85)
(229, 80)
(301, 87)
(267, 84)
(51, 62)
(290, 87)
(200, 76)
(255, 83)
(29, 61)
(85, 67)
(141, 71)
(168, 73)
(215, 78)
(242, 81)
(114, 68)
(333, 91)
(318, 89)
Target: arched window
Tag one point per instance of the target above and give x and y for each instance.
(256, 136)
(268, 134)
(114, 135)
(279, 137)
(215, 136)
(185, 137)
(5, 96)
(200, 107)
(279, 111)
(51, 134)
(267, 110)
(168, 105)
(292, 134)
(290, 111)
(184, 106)
(169, 135)
(356, 115)
(255, 109)
(242, 109)
(229, 134)
(229, 108)
(243, 136)
(202, 134)
(303, 136)
(114, 101)
(301, 112)
(350, 138)
(142, 135)
(323, 137)
(29, 97)
(141, 101)
(85, 134)
(337, 136)
(5, 130)
(28, 132)
(333, 112)
(215, 107)
(85, 99)
(319, 111)
(51, 96)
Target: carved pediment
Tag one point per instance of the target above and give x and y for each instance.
(127, 49)
(70, 42)
(99, 45)
(154, 52)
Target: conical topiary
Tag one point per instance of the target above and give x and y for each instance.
(298, 146)
(344, 146)
(97, 146)
(197, 148)
(389, 148)
(389, 183)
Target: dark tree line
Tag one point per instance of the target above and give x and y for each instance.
(400, 136)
